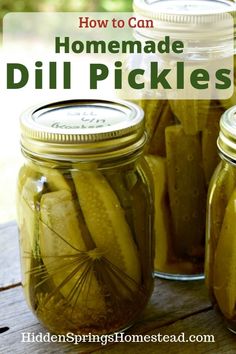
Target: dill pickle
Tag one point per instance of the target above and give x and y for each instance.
(117, 182)
(25, 173)
(157, 142)
(230, 102)
(224, 267)
(191, 113)
(29, 195)
(165, 258)
(119, 185)
(64, 254)
(104, 216)
(162, 213)
(153, 110)
(223, 184)
(221, 188)
(53, 177)
(187, 191)
(142, 217)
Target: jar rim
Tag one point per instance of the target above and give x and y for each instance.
(180, 11)
(196, 21)
(227, 137)
(82, 127)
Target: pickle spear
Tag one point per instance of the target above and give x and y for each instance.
(162, 214)
(223, 185)
(106, 222)
(221, 188)
(28, 220)
(153, 110)
(191, 113)
(52, 177)
(30, 199)
(157, 142)
(225, 262)
(186, 190)
(25, 173)
(64, 254)
(232, 100)
(141, 219)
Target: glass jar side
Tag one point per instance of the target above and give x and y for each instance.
(182, 132)
(86, 244)
(182, 142)
(221, 242)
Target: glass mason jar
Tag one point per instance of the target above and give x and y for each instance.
(85, 215)
(181, 148)
(220, 263)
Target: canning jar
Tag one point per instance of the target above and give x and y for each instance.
(220, 263)
(182, 133)
(85, 215)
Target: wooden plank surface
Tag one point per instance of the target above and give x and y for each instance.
(175, 307)
(9, 260)
(204, 323)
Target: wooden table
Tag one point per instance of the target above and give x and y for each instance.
(175, 307)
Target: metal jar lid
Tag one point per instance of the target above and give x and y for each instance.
(183, 10)
(227, 138)
(83, 130)
(196, 21)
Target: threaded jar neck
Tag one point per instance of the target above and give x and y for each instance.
(227, 137)
(83, 130)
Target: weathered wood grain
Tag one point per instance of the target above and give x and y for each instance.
(170, 302)
(205, 323)
(9, 255)
(15, 315)
(175, 307)
(173, 300)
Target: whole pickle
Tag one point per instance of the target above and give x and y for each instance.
(107, 225)
(221, 188)
(52, 176)
(230, 102)
(63, 252)
(142, 218)
(162, 213)
(157, 141)
(187, 191)
(225, 256)
(153, 111)
(29, 196)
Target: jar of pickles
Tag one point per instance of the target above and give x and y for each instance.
(182, 133)
(85, 215)
(220, 264)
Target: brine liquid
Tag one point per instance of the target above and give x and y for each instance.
(116, 307)
(86, 247)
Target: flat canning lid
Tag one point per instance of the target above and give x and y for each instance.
(82, 129)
